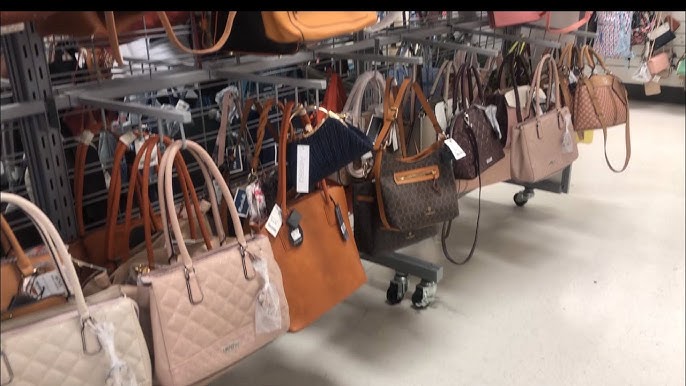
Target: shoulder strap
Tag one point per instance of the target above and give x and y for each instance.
(10, 240)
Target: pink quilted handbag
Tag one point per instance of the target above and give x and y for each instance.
(209, 312)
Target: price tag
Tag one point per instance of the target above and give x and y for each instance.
(182, 105)
(242, 203)
(303, 171)
(457, 151)
(50, 283)
(274, 221)
(138, 143)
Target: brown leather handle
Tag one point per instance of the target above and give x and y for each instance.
(262, 124)
(590, 54)
(535, 85)
(216, 47)
(23, 262)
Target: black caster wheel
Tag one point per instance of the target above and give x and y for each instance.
(397, 289)
(424, 294)
(520, 199)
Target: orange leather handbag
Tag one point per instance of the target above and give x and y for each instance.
(325, 268)
(305, 26)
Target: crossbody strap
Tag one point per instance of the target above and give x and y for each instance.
(445, 231)
(599, 115)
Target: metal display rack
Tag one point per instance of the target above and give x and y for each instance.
(37, 106)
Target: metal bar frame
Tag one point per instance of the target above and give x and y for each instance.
(40, 133)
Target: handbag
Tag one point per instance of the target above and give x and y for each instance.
(401, 179)
(658, 63)
(368, 122)
(681, 66)
(473, 121)
(601, 101)
(661, 35)
(260, 184)
(332, 144)
(543, 144)
(674, 24)
(370, 235)
(507, 97)
(499, 19)
(209, 312)
(92, 341)
(441, 105)
(91, 246)
(16, 272)
(319, 260)
(307, 26)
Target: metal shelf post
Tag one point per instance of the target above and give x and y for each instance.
(40, 132)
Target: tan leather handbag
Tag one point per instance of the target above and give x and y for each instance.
(307, 26)
(15, 269)
(601, 101)
(94, 341)
(544, 144)
(326, 268)
(209, 312)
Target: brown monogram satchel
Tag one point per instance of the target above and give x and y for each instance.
(471, 124)
(601, 101)
(417, 191)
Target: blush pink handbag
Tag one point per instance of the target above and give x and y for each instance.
(209, 312)
(658, 63)
(543, 144)
(500, 19)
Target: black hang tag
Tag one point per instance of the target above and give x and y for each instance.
(341, 223)
(295, 232)
(241, 201)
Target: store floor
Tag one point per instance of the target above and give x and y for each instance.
(578, 289)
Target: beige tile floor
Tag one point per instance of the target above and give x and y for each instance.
(578, 289)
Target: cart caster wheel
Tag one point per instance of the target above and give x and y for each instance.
(397, 289)
(520, 199)
(424, 294)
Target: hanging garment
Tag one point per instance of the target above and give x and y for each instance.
(614, 34)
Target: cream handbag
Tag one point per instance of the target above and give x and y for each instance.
(211, 311)
(97, 341)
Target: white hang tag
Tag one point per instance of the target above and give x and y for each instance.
(217, 192)
(267, 304)
(274, 221)
(572, 78)
(138, 143)
(181, 105)
(257, 201)
(441, 116)
(457, 151)
(394, 137)
(49, 284)
(303, 169)
(567, 140)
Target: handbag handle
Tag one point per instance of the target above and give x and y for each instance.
(53, 240)
(10, 243)
(535, 85)
(353, 104)
(165, 193)
(189, 196)
(263, 123)
(393, 110)
(467, 72)
(216, 47)
(592, 57)
(446, 68)
(210, 171)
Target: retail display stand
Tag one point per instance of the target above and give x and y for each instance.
(37, 104)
